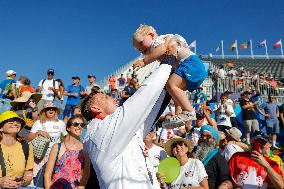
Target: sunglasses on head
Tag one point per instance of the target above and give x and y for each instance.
(180, 143)
(76, 124)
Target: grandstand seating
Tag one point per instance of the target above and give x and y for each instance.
(271, 66)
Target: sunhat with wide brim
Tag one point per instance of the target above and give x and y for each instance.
(26, 96)
(235, 133)
(9, 115)
(169, 143)
(48, 105)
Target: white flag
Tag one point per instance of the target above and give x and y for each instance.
(217, 49)
(193, 44)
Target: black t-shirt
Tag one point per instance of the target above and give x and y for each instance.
(248, 114)
(217, 170)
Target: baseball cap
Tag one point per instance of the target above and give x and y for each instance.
(76, 77)
(91, 75)
(246, 93)
(10, 72)
(50, 71)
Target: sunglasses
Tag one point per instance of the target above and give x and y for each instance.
(208, 137)
(175, 144)
(51, 109)
(76, 124)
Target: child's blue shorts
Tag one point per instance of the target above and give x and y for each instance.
(193, 71)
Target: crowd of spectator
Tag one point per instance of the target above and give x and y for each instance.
(210, 148)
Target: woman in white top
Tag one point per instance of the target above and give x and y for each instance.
(49, 126)
(192, 171)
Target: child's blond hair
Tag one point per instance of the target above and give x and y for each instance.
(144, 30)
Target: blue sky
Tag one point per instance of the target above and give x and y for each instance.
(79, 37)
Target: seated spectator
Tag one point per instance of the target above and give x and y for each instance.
(114, 94)
(207, 152)
(154, 152)
(223, 113)
(17, 159)
(59, 172)
(271, 118)
(192, 171)
(25, 107)
(48, 126)
(232, 143)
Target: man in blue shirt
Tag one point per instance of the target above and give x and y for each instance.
(7, 91)
(271, 118)
(74, 92)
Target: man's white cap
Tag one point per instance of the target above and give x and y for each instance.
(10, 72)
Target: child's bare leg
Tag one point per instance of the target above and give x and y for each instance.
(176, 86)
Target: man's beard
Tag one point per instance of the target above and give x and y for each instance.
(203, 149)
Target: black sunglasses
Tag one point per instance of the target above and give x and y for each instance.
(76, 124)
(51, 109)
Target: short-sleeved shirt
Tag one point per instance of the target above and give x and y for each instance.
(247, 114)
(222, 118)
(14, 159)
(6, 85)
(121, 81)
(54, 128)
(271, 109)
(281, 108)
(217, 170)
(200, 97)
(48, 94)
(72, 100)
(191, 174)
(156, 154)
(231, 149)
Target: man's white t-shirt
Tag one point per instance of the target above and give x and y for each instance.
(115, 144)
(231, 103)
(48, 94)
(230, 150)
(156, 154)
(54, 128)
(191, 174)
(223, 118)
(222, 73)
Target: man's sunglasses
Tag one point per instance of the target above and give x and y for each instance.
(76, 124)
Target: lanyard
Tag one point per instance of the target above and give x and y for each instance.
(148, 170)
(209, 156)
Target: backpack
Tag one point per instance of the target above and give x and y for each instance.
(25, 147)
(53, 83)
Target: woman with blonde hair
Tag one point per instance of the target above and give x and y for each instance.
(68, 164)
(48, 126)
(16, 156)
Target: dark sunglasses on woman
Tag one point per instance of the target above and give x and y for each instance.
(76, 124)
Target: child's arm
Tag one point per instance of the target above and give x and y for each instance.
(153, 55)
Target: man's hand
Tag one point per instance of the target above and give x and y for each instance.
(257, 157)
(8, 182)
(138, 64)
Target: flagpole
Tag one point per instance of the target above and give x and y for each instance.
(222, 45)
(266, 49)
(251, 52)
(237, 52)
(281, 48)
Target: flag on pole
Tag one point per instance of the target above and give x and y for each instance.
(193, 44)
(233, 46)
(244, 45)
(217, 49)
(261, 44)
(277, 44)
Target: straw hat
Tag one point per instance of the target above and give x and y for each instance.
(26, 96)
(235, 133)
(9, 115)
(169, 143)
(50, 104)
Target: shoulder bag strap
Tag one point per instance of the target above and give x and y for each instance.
(2, 163)
(25, 147)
